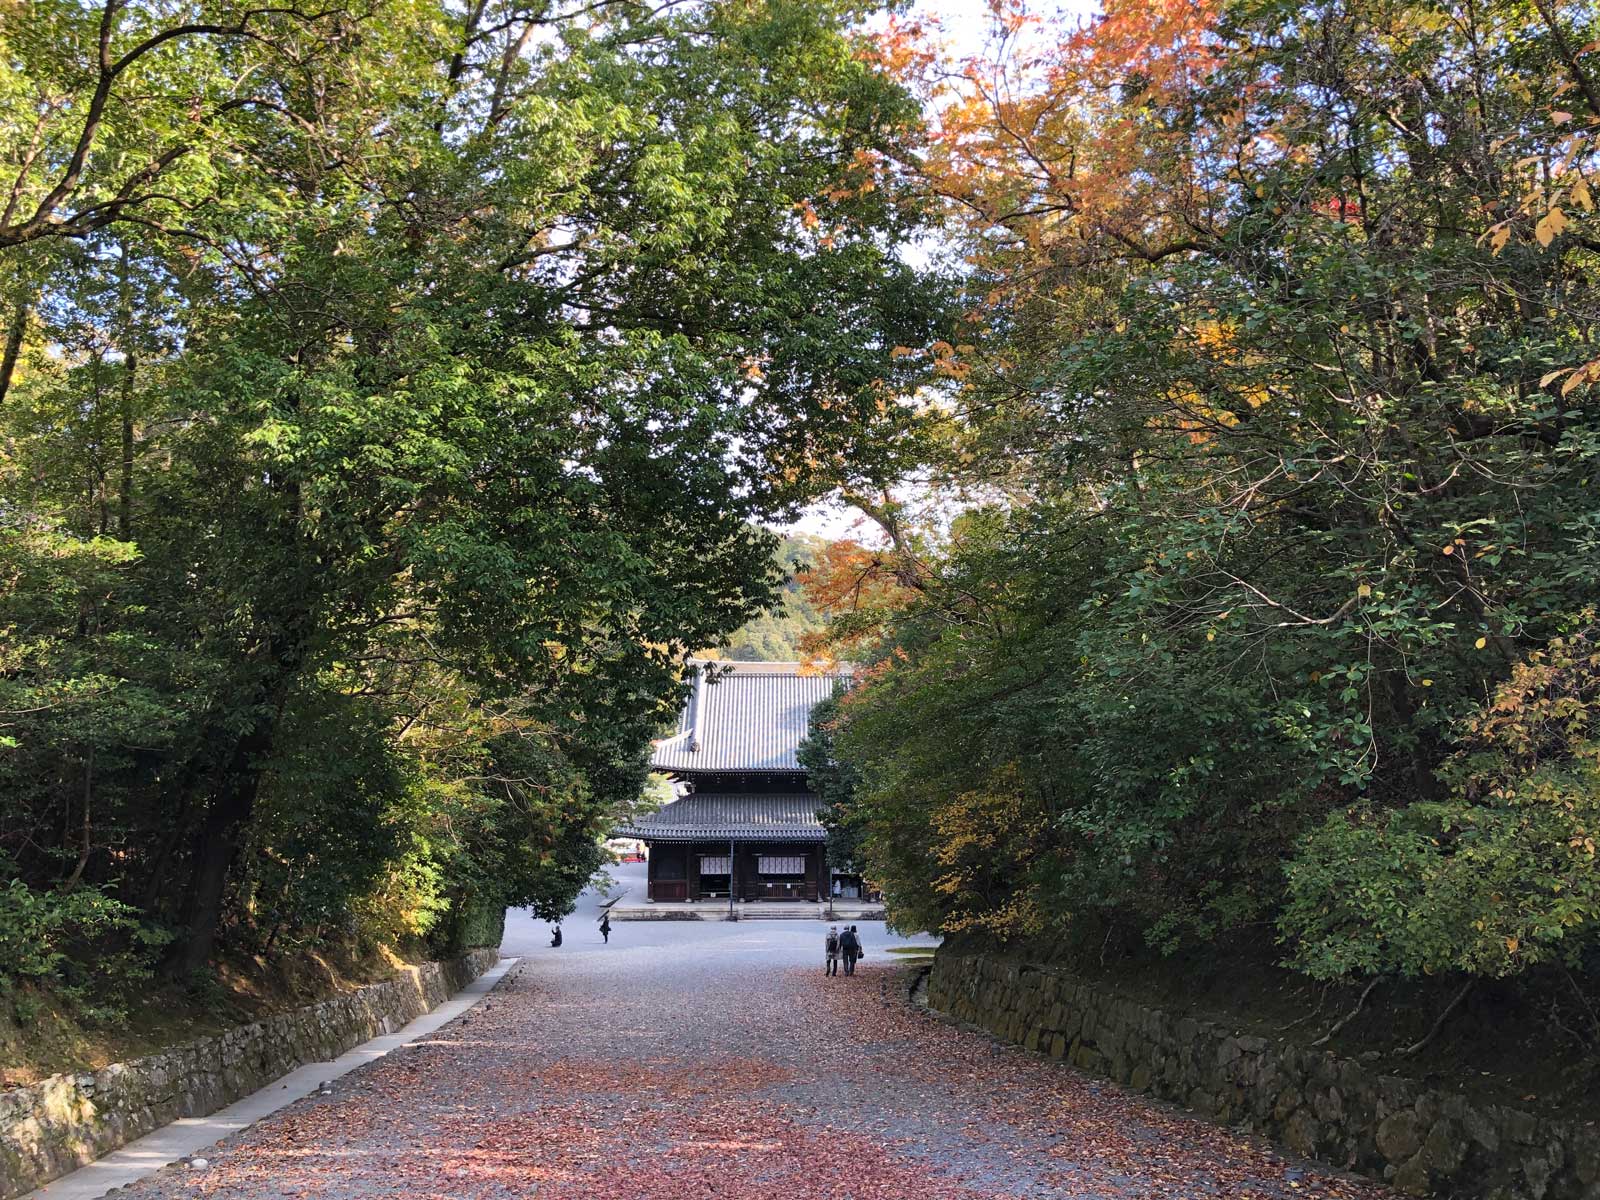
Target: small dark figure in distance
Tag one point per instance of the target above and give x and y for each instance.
(556, 940)
(831, 948)
(605, 928)
(850, 947)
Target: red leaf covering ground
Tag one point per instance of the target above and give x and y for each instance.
(647, 1075)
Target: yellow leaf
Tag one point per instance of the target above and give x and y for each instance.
(1557, 117)
(1427, 683)
(1499, 238)
(1481, 643)
(1512, 944)
(1211, 635)
(1580, 193)
(1550, 226)
(1364, 590)
(1544, 380)
(1449, 550)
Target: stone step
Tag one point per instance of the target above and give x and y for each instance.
(707, 911)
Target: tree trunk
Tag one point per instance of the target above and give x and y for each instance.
(16, 330)
(130, 366)
(125, 481)
(217, 844)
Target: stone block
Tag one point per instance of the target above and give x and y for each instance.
(1482, 1130)
(1518, 1126)
(1586, 1158)
(1399, 1136)
(1302, 1134)
(1445, 1147)
(1537, 1168)
(1328, 1105)
(1287, 1102)
(1337, 1110)
(1412, 1177)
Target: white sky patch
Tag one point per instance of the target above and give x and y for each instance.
(966, 23)
(831, 520)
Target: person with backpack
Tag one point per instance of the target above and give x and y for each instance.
(850, 947)
(832, 948)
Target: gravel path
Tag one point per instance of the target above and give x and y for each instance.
(718, 1061)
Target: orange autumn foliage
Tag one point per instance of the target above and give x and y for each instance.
(1068, 146)
(858, 588)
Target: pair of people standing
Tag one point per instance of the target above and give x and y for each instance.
(846, 945)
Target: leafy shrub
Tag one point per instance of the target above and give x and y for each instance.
(58, 938)
(1496, 878)
(470, 922)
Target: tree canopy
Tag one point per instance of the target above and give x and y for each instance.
(392, 398)
(1273, 439)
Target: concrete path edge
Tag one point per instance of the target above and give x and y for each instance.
(183, 1137)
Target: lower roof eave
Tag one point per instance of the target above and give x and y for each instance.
(724, 835)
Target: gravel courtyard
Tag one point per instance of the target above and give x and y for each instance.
(716, 1060)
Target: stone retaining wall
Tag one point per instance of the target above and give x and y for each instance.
(1335, 1110)
(65, 1121)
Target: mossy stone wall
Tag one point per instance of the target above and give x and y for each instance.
(1423, 1141)
(65, 1121)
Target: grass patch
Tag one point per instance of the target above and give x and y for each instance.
(913, 951)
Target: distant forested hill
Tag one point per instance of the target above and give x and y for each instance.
(775, 636)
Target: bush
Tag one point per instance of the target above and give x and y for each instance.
(471, 922)
(1495, 879)
(56, 938)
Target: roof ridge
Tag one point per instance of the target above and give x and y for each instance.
(801, 668)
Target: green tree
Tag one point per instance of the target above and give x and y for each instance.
(399, 398)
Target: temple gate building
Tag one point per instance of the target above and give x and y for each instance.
(745, 826)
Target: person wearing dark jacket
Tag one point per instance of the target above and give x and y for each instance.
(605, 928)
(850, 947)
(556, 940)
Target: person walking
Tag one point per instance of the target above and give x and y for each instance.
(850, 947)
(605, 927)
(832, 948)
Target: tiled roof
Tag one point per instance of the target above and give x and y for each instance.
(711, 816)
(751, 719)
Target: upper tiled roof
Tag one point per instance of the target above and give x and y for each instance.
(750, 719)
(711, 816)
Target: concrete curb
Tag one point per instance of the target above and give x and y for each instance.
(183, 1137)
